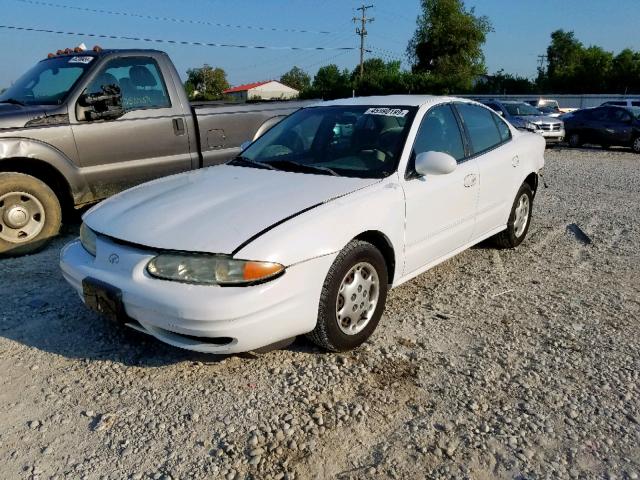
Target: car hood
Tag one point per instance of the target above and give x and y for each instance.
(213, 210)
(537, 119)
(16, 116)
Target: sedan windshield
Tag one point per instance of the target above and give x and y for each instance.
(521, 109)
(350, 141)
(47, 83)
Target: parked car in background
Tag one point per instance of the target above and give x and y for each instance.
(83, 125)
(306, 230)
(606, 126)
(635, 102)
(547, 106)
(526, 117)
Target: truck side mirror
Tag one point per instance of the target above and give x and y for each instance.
(103, 105)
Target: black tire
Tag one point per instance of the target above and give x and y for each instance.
(328, 333)
(574, 140)
(635, 145)
(46, 222)
(508, 238)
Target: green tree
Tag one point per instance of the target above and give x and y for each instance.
(564, 55)
(329, 83)
(296, 78)
(447, 43)
(625, 72)
(379, 78)
(502, 83)
(206, 83)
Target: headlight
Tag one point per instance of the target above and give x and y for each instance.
(211, 269)
(88, 239)
(531, 126)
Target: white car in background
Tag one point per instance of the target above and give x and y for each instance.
(306, 230)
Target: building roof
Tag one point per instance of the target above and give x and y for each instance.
(247, 86)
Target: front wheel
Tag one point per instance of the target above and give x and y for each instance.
(30, 214)
(635, 145)
(574, 139)
(352, 299)
(519, 220)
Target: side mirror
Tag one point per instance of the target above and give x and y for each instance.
(245, 145)
(104, 105)
(435, 163)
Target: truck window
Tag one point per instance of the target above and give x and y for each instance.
(139, 80)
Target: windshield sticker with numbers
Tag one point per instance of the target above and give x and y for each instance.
(84, 60)
(388, 112)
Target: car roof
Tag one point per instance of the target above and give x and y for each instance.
(393, 100)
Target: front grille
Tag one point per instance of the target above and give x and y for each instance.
(551, 127)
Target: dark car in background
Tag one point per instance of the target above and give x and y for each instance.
(526, 117)
(606, 126)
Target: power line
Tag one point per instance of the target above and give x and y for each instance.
(174, 42)
(169, 19)
(362, 31)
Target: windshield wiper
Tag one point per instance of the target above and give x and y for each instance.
(303, 166)
(240, 161)
(12, 101)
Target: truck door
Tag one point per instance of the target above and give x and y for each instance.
(150, 140)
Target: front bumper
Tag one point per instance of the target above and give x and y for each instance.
(196, 317)
(555, 136)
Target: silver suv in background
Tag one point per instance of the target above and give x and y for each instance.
(525, 117)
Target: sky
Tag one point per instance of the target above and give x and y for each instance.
(522, 31)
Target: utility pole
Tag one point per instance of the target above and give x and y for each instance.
(362, 31)
(542, 59)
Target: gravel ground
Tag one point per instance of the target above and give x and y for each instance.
(518, 364)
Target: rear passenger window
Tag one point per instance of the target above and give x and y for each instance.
(439, 132)
(482, 129)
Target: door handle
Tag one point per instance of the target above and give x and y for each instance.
(470, 180)
(178, 126)
(515, 161)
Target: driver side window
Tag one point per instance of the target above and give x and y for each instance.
(440, 132)
(139, 80)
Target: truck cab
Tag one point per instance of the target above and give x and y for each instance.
(82, 125)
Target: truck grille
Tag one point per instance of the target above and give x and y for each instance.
(551, 127)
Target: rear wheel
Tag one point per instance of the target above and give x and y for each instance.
(30, 214)
(635, 146)
(352, 299)
(519, 220)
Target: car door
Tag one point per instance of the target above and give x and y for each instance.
(617, 127)
(498, 165)
(150, 140)
(440, 209)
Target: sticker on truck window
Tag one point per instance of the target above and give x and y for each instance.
(84, 60)
(387, 112)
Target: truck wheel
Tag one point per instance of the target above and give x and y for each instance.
(30, 214)
(352, 298)
(519, 220)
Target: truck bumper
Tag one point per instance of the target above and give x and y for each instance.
(210, 319)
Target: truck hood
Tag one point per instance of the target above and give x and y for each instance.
(213, 210)
(16, 116)
(537, 119)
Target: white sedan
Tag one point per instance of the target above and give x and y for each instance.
(306, 230)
